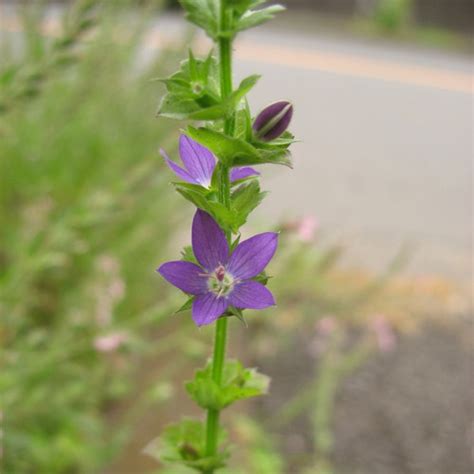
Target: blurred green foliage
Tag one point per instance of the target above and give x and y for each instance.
(84, 221)
(392, 15)
(41, 59)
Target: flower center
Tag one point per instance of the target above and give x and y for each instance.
(220, 282)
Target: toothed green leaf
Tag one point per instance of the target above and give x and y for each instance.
(254, 18)
(238, 383)
(184, 443)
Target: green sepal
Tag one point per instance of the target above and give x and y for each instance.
(284, 140)
(238, 383)
(262, 278)
(186, 306)
(187, 254)
(236, 242)
(184, 443)
(253, 18)
(238, 313)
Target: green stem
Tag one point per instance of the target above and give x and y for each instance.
(212, 428)
(225, 64)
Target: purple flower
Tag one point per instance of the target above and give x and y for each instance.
(110, 342)
(273, 120)
(222, 278)
(199, 164)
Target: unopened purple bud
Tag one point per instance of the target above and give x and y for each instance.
(273, 120)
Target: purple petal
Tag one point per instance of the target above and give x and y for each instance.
(186, 276)
(273, 120)
(252, 255)
(252, 295)
(241, 173)
(198, 160)
(184, 175)
(207, 308)
(209, 242)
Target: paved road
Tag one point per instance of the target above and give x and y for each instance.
(387, 145)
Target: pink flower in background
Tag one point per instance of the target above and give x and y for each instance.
(306, 228)
(116, 289)
(386, 339)
(109, 342)
(325, 327)
(109, 290)
(108, 264)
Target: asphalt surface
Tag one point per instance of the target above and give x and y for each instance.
(387, 141)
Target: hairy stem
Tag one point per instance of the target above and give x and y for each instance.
(225, 65)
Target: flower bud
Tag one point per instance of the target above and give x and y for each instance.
(273, 120)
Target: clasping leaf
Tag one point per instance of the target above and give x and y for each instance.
(183, 443)
(238, 383)
(193, 92)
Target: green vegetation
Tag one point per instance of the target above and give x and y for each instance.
(84, 224)
(392, 15)
(89, 345)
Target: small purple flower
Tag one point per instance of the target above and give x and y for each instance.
(273, 120)
(222, 278)
(199, 164)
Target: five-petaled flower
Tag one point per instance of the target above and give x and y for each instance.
(199, 164)
(222, 278)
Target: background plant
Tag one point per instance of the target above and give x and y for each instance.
(75, 298)
(392, 15)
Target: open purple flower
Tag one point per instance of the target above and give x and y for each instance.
(222, 278)
(199, 164)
